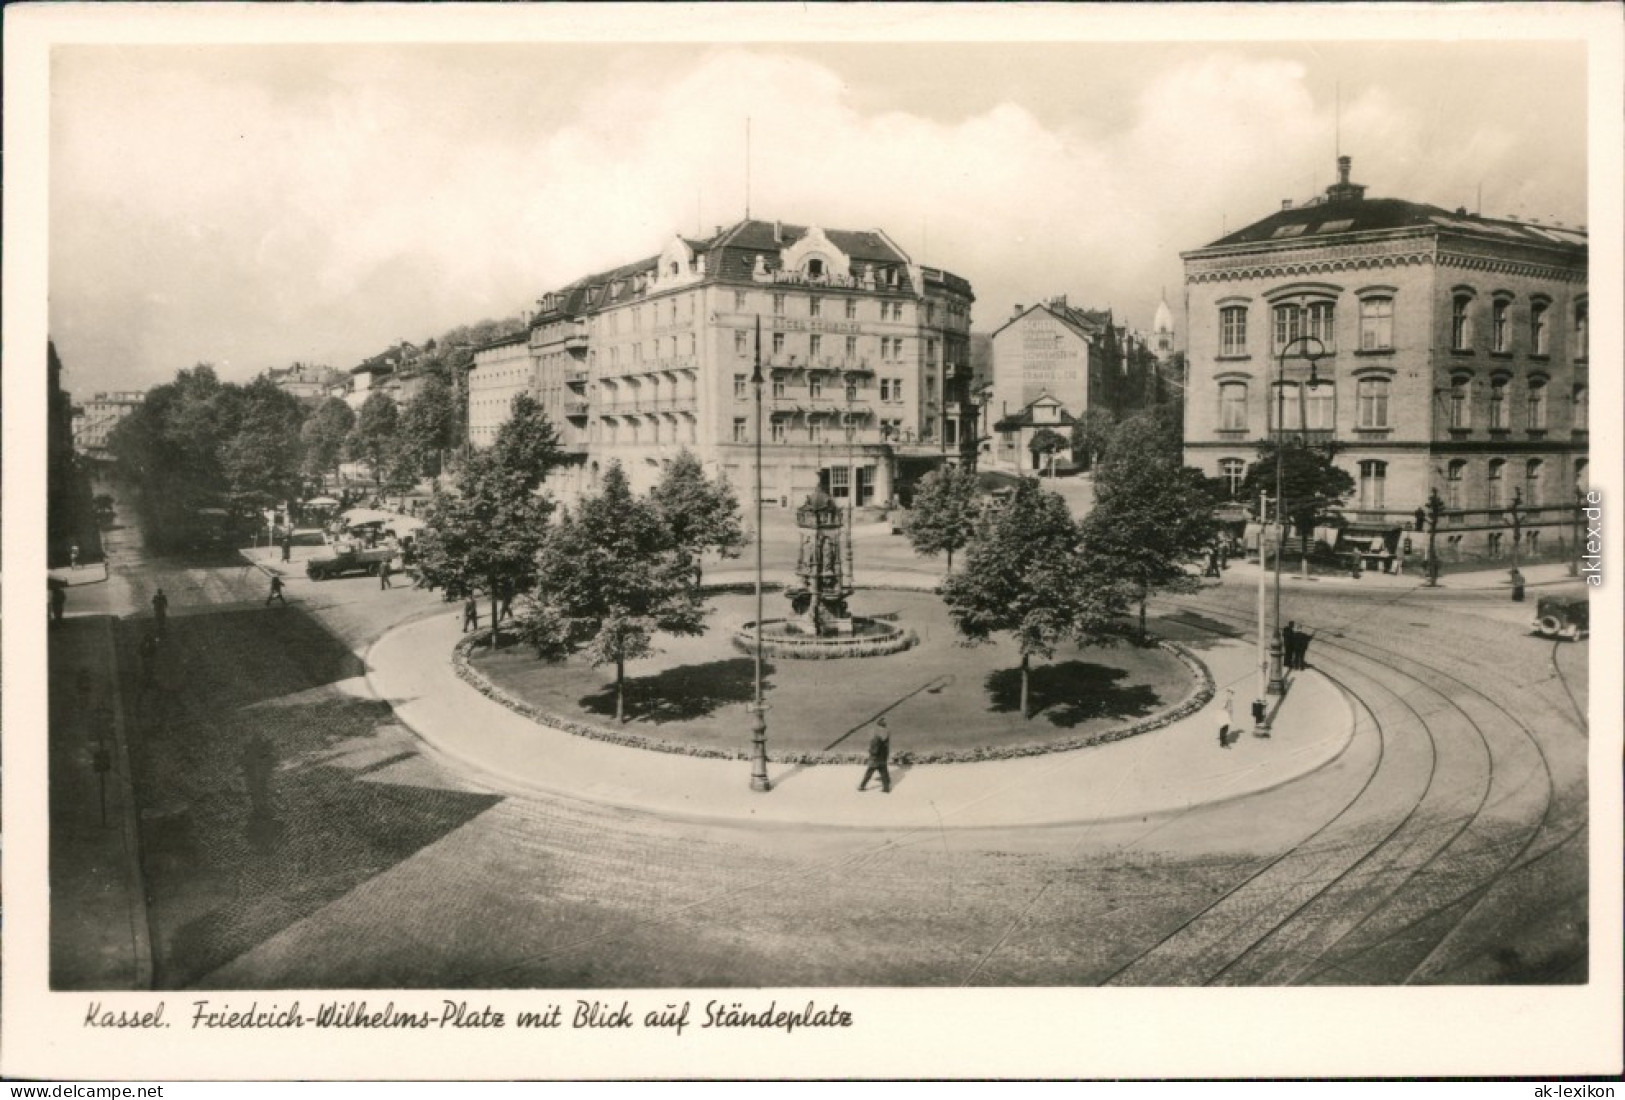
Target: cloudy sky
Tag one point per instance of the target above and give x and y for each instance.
(252, 205)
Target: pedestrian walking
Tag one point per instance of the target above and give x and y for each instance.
(276, 592)
(73, 556)
(471, 615)
(1212, 562)
(1302, 655)
(505, 596)
(1226, 715)
(287, 545)
(879, 756)
(1224, 555)
(160, 611)
(1289, 645)
(383, 575)
(59, 601)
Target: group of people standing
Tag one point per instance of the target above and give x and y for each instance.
(1294, 646)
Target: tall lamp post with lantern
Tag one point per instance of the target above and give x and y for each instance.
(1312, 348)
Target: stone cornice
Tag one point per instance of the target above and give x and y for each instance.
(1280, 263)
(1495, 265)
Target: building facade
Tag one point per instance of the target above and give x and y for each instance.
(864, 355)
(94, 420)
(502, 370)
(1051, 363)
(1452, 356)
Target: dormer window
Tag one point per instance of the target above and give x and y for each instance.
(815, 268)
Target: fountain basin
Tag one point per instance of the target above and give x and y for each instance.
(788, 639)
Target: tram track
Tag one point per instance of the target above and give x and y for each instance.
(1415, 924)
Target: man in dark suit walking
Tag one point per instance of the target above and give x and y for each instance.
(879, 756)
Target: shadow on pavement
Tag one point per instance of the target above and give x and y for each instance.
(1071, 693)
(263, 783)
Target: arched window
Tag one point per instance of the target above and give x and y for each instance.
(1455, 478)
(1538, 329)
(1500, 325)
(1461, 323)
(1373, 479)
(1582, 409)
(1233, 406)
(1373, 402)
(1497, 482)
(1460, 408)
(1288, 326)
(1499, 420)
(1376, 324)
(815, 268)
(1582, 330)
(1234, 472)
(1537, 405)
(1531, 482)
(1582, 474)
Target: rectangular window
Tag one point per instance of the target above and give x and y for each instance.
(739, 301)
(1496, 480)
(1582, 409)
(778, 305)
(1320, 407)
(1582, 330)
(740, 392)
(778, 343)
(1373, 402)
(840, 481)
(1460, 414)
(1376, 324)
(1498, 405)
(851, 309)
(740, 435)
(1233, 407)
(778, 389)
(815, 431)
(1233, 330)
(815, 387)
(815, 307)
(885, 389)
(851, 347)
(1287, 407)
(741, 343)
(1288, 326)
(1321, 318)
(1537, 405)
(1453, 486)
(1373, 480)
(815, 347)
(778, 431)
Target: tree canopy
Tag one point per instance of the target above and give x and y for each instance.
(325, 433)
(373, 438)
(1092, 433)
(1311, 483)
(426, 430)
(1151, 515)
(944, 512)
(699, 515)
(1024, 576)
(609, 578)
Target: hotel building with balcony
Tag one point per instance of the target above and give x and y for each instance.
(1455, 358)
(865, 362)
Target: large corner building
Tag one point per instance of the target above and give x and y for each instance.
(1455, 359)
(864, 355)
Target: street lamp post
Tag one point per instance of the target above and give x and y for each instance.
(1435, 509)
(758, 727)
(1277, 681)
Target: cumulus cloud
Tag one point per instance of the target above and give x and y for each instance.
(320, 205)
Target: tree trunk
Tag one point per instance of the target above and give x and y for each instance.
(1142, 615)
(1305, 538)
(1024, 661)
(495, 631)
(620, 691)
(950, 559)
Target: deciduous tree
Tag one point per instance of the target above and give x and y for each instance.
(1024, 576)
(1151, 514)
(1311, 483)
(325, 432)
(608, 580)
(700, 515)
(944, 514)
(374, 435)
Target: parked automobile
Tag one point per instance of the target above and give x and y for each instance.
(1562, 617)
(346, 559)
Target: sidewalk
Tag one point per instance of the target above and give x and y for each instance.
(1478, 580)
(99, 936)
(1164, 771)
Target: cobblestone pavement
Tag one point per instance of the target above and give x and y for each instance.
(298, 837)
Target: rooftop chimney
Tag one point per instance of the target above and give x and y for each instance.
(1286, 204)
(778, 232)
(1343, 190)
(1016, 312)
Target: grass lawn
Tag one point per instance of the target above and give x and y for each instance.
(938, 695)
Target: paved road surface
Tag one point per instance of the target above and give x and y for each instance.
(303, 838)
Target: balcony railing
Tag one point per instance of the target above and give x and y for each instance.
(1312, 437)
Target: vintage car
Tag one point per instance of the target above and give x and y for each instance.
(347, 558)
(1562, 617)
